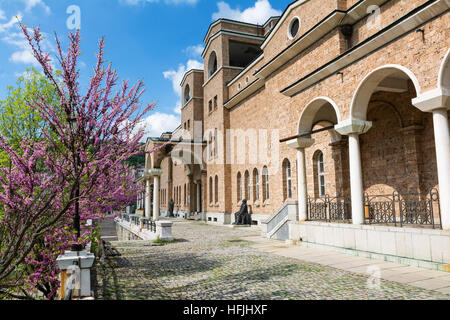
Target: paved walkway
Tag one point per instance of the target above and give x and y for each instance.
(417, 277)
(215, 262)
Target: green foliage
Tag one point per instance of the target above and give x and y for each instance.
(163, 242)
(136, 160)
(18, 119)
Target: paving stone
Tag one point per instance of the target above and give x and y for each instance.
(213, 262)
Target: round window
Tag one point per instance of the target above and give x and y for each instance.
(294, 28)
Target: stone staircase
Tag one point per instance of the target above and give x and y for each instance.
(277, 225)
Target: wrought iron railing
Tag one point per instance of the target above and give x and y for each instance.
(146, 223)
(330, 209)
(404, 209)
(149, 224)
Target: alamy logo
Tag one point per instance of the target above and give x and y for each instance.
(74, 20)
(374, 282)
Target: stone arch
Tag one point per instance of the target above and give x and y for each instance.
(444, 73)
(318, 110)
(361, 98)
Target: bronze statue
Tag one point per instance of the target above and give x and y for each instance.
(242, 217)
(171, 204)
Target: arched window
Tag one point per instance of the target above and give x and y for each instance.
(320, 174)
(187, 94)
(287, 179)
(210, 190)
(239, 186)
(247, 185)
(215, 142)
(216, 190)
(210, 145)
(212, 64)
(265, 181)
(255, 184)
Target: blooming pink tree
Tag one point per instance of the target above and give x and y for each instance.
(80, 162)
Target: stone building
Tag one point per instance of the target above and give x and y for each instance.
(331, 120)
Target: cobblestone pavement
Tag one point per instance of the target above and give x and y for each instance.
(214, 262)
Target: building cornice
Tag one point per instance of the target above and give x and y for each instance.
(244, 93)
(397, 29)
(251, 65)
(230, 33)
(218, 70)
(188, 73)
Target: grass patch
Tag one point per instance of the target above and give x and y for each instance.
(159, 241)
(201, 223)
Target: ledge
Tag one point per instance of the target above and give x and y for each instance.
(397, 29)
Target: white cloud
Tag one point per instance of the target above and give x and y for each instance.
(25, 56)
(141, 2)
(177, 75)
(259, 13)
(8, 25)
(158, 123)
(30, 4)
(2, 15)
(23, 53)
(195, 51)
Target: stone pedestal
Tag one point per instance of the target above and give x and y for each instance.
(164, 230)
(80, 263)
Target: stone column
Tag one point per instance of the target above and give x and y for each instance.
(155, 198)
(147, 213)
(155, 173)
(438, 102)
(442, 142)
(353, 128)
(199, 198)
(300, 144)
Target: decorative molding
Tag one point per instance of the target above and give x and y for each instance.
(351, 126)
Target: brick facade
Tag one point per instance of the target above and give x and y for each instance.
(398, 153)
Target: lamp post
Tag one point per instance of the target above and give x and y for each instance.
(76, 220)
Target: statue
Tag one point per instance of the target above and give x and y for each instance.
(171, 204)
(242, 217)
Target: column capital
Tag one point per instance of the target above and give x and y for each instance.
(431, 100)
(155, 172)
(300, 143)
(350, 126)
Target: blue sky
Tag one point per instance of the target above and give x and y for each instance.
(153, 40)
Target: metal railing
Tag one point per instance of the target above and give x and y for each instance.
(330, 209)
(137, 220)
(404, 209)
(149, 224)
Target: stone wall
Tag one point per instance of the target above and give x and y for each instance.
(426, 248)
